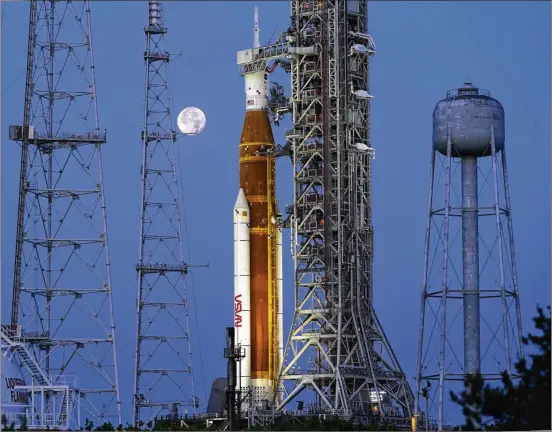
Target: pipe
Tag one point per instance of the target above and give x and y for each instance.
(470, 260)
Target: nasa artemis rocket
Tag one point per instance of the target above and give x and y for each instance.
(258, 249)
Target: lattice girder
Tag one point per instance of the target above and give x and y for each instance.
(62, 284)
(334, 329)
(163, 371)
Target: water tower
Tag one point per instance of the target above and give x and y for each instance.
(470, 316)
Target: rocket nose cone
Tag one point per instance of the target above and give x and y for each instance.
(241, 201)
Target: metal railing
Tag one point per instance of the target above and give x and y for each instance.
(71, 381)
(467, 91)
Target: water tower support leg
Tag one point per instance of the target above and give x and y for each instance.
(424, 292)
(512, 254)
(444, 286)
(505, 322)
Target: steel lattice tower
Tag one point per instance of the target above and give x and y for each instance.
(336, 347)
(470, 319)
(163, 369)
(62, 287)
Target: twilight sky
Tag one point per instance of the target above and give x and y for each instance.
(423, 49)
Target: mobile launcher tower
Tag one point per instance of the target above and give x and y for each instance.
(469, 252)
(336, 350)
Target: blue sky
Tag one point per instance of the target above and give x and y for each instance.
(423, 49)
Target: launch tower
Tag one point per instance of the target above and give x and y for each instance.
(163, 381)
(470, 265)
(62, 286)
(336, 346)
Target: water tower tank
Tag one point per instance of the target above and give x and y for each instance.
(469, 112)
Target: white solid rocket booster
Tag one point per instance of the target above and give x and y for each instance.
(280, 291)
(242, 321)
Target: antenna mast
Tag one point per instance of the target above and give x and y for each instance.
(163, 380)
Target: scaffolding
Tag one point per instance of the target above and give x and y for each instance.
(336, 346)
(51, 401)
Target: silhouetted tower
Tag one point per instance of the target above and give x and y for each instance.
(469, 252)
(163, 365)
(233, 398)
(62, 287)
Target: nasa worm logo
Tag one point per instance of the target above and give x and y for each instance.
(237, 311)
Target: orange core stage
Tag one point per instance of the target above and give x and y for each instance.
(257, 179)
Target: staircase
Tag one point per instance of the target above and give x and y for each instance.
(63, 411)
(27, 359)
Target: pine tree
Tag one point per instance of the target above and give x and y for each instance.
(524, 405)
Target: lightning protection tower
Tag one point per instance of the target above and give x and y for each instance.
(337, 348)
(470, 289)
(163, 380)
(62, 287)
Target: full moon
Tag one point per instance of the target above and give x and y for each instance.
(191, 121)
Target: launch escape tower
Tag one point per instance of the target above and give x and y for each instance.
(336, 346)
(163, 381)
(469, 252)
(62, 288)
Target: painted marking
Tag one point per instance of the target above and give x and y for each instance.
(237, 311)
